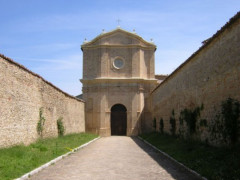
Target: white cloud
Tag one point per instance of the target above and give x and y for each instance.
(71, 62)
(63, 72)
(53, 47)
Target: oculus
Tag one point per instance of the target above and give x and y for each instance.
(118, 63)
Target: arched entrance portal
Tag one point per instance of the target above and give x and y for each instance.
(118, 120)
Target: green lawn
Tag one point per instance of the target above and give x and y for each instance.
(18, 160)
(211, 162)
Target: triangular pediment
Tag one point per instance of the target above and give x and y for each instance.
(118, 37)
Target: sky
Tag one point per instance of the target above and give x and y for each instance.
(46, 35)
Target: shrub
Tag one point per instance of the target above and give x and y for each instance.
(155, 124)
(225, 127)
(173, 123)
(161, 125)
(40, 123)
(230, 114)
(191, 118)
(60, 126)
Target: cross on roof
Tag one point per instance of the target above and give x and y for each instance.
(118, 21)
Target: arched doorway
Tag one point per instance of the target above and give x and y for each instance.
(119, 120)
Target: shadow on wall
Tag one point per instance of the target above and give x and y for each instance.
(146, 118)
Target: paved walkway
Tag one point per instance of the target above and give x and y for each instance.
(113, 158)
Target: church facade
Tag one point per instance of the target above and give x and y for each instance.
(118, 75)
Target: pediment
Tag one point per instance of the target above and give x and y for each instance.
(118, 37)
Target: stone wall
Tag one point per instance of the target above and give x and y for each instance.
(209, 76)
(22, 94)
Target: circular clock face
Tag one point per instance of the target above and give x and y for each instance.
(118, 63)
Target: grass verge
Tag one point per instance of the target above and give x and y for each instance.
(214, 163)
(18, 160)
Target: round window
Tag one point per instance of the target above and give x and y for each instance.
(118, 63)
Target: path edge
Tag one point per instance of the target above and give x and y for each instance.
(174, 160)
(37, 170)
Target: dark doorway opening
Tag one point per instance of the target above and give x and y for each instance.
(119, 120)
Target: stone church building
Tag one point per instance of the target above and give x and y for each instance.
(118, 75)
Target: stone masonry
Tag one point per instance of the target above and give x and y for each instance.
(118, 68)
(209, 76)
(22, 94)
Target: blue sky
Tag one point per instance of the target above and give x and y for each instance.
(45, 35)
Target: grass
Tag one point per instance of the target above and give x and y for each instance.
(214, 163)
(18, 160)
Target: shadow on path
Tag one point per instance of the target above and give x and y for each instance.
(175, 170)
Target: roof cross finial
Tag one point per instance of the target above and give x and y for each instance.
(118, 21)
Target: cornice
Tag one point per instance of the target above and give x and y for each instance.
(130, 34)
(119, 46)
(118, 80)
